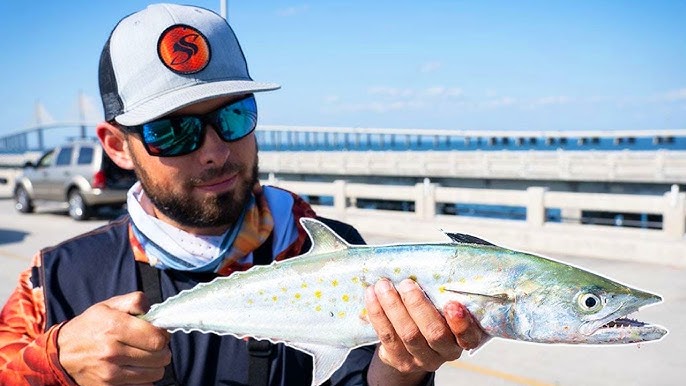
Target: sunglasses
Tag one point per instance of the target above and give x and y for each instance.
(180, 135)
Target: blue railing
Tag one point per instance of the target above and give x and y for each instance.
(276, 138)
(290, 138)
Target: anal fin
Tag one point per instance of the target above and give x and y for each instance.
(326, 359)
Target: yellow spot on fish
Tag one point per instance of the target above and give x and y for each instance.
(478, 277)
(363, 314)
(284, 289)
(318, 294)
(297, 295)
(437, 276)
(334, 283)
(275, 298)
(413, 277)
(341, 314)
(261, 292)
(396, 271)
(462, 280)
(303, 285)
(365, 269)
(250, 301)
(345, 297)
(441, 289)
(320, 280)
(318, 308)
(355, 279)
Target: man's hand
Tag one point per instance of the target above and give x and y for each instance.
(415, 338)
(107, 345)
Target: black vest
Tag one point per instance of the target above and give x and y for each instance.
(98, 265)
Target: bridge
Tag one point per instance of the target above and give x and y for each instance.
(614, 195)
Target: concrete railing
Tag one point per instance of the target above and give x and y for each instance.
(665, 246)
(607, 166)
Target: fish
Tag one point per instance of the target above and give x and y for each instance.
(315, 302)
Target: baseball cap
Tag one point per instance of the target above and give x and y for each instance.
(168, 56)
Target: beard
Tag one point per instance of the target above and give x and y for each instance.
(212, 211)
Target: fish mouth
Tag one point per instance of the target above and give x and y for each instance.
(619, 328)
(624, 330)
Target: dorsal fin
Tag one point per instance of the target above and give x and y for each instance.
(324, 240)
(467, 239)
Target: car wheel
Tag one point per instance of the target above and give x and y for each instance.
(22, 200)
(78, 210)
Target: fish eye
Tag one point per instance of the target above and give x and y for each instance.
(589, 302)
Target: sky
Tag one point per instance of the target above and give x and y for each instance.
(463, 65)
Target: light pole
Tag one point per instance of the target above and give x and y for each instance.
(224, 9)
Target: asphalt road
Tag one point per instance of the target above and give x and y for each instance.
(499, 362)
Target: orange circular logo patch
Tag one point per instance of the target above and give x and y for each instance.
(183, 49)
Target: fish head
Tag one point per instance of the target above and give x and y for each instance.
(578, 307)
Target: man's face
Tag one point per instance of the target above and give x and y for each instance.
(205, 191)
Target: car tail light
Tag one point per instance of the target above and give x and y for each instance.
(99, 179)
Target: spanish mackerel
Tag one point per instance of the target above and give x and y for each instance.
(315, 302)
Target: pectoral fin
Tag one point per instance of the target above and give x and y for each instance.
(501, 297)
(326, 359)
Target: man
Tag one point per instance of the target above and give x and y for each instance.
(180, 111)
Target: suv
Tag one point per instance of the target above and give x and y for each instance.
(78, 174)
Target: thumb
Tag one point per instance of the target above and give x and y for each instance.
(134, 303)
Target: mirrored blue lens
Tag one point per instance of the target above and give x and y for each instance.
(236, 120)
(181, 135)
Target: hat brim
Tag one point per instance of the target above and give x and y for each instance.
(162, 105)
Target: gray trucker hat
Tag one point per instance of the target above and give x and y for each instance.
(169, 56)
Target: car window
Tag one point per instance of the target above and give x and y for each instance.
(46, 159)
(85, 155)
(64, 156)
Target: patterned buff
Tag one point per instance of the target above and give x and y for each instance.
(271, 210)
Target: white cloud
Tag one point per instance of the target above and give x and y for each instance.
(598, 99)
(393, 92)
(500, 102)
(439, 91)
(490, 93)
(377, 107)
(676, 95)
(331, 98)
(381, 107)
(409, 93)
(293, 11)
(551, 100)
(430, 67)
(554, 100)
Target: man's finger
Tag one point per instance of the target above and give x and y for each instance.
(132, 331)
(465, 328)
(134, 303)
(427, 318)
(378, 319)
